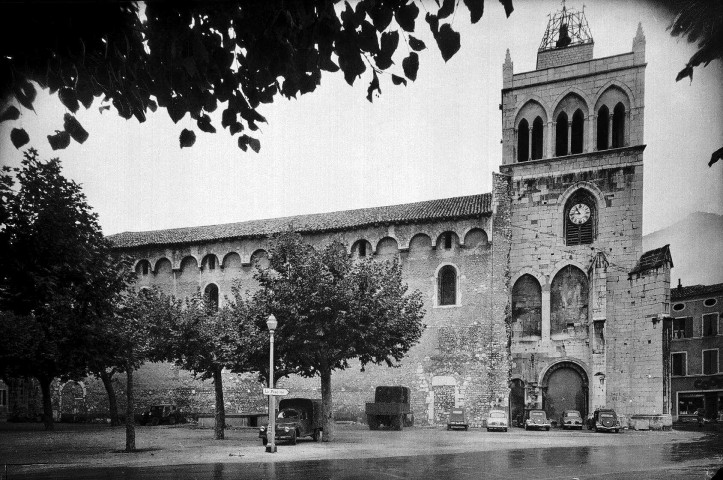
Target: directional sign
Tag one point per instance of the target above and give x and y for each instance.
(277, 392)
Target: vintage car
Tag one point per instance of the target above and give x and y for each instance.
(536, 419)
(297, 417)
(571, 419)
(497, 420)
(457, 419)
(162, 413)
(604, 420)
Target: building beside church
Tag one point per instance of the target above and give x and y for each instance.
(538, 294)
(695, 352)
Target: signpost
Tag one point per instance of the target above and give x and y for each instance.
(277, 392)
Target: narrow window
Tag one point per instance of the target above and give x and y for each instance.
(145, 268)
(710, 325)
(211, 294)
(561, 135)
(578, 126)
(679, 367)
(363, 249)
(710, 362)
(447, 241)
(448, 285)
(683, 327)
(537, 133)
(523, 141)
(619, 126)
(603, 117)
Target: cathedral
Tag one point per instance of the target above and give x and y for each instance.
(538, 293)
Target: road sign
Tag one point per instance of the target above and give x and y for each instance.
(277, 392)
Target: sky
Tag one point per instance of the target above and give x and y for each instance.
(437, 137)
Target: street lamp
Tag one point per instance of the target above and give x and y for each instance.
(271, 323)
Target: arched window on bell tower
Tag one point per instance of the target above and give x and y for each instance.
(580, 219)
(537, 133)
(619, 125)
(603, 118)
(523, 141)
(561, 135)
(578, 128)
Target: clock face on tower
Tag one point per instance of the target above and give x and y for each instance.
(579, 213)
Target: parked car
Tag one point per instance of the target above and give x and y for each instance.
(571, 419)
(163, 413)
(604, 420)
(536, 419)
(457, 419)
(497, 420)
(391, 408)
(297, 417)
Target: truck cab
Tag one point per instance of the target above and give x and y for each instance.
(296, 418)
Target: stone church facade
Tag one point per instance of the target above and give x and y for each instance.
(537, 294)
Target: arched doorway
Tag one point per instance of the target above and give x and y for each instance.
(564, 387)
(517, 401)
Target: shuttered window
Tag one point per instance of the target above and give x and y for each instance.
(679, 367)
(584, 233)
(683, 327)
(710, 362)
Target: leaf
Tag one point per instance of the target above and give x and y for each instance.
(68, 98)
(235, 128)
(397, 80)
(255, 144)
(686, 72)
(508, 7)
(447, 9)
(381, 16)
(19, 137)
(416, 44)
(406, 15)
(389, 43)
(187, 138)
(367, 38)
(433, 22)
(59, 141)
(326, 63)
(204, 123)
(103, 108)
(152, 105)
(74, 128)
(243, 142)
(717, 155)
(25, 94)
(374, 85)
(476, 9)
(10, 113)
(447, 41)
(411, 65)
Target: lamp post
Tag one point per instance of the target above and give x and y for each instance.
(271, 323)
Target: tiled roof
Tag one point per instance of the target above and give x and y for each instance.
(681, 293)
(432, 210)
(653, 259)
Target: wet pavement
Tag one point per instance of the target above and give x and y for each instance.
(698, 459)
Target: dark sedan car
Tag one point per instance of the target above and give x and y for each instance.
(604, 420)
(537, 419)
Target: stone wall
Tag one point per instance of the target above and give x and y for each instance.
(564, 56)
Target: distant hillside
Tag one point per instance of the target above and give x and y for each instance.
(696, 243)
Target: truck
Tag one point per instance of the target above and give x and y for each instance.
(390, 408)
(296, 418)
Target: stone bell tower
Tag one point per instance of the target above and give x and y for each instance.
(580, 317)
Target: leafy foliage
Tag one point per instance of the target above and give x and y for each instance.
(192, 58)
(332, 310)
(58, 276)
(700, 21)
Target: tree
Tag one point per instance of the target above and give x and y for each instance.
(189, 57)
(700, 21)
(58, 275)
(331, 310)
(205, 340)
(135, 329)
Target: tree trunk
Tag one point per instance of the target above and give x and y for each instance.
(47, 402)
(220, 423)
(130, 414)
(107, 379)
(326, 403)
